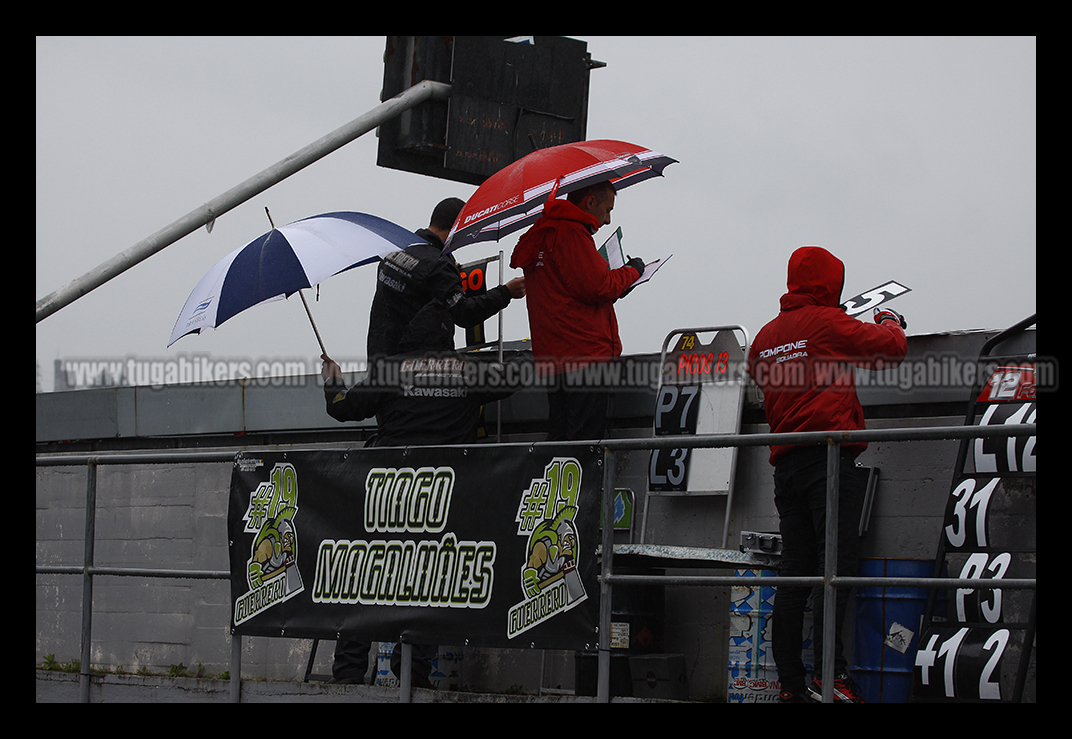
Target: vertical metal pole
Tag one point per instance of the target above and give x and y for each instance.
(501, 276)
(603, 649)
(833, 472)
(498, 406)
(87, 579)
(236, 668)
(405, 678)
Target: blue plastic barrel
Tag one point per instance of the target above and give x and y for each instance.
(886, 630)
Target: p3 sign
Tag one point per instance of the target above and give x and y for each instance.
(874, 297)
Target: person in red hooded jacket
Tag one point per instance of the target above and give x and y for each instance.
(570, 296)
(803, 361)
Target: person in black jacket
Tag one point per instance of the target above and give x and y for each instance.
(408, 279)
(427, 394)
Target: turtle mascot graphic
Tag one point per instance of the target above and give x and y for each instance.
(275, 552)
(552, 556)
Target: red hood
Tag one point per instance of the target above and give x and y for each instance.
(815, 278)
(526, 252)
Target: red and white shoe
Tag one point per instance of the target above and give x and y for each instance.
(845, 690)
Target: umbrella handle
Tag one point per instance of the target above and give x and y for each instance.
(315, 331)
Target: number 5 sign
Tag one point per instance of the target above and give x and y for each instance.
(874, 297)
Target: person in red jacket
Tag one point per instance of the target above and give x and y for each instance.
(803, 361)
(570, 296)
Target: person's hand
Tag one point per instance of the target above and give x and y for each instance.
(516, 287)
(885, 314)
(330, 370)
(636, 263)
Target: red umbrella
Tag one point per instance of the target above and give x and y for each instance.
(513, 197)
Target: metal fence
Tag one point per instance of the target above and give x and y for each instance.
(829, 580)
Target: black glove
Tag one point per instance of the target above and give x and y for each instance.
(636, 263)
(885, 314)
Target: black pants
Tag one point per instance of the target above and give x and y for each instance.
(421, 663)
(351, 660)
(576, 410)
(800, 496)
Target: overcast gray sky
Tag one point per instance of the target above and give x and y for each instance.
(911, 159)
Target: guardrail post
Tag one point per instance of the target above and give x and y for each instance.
(833, 480)
(603, 648)
(405, 674)
(87, 578)
(236, 668)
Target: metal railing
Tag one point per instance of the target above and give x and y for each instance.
(88, 570)
(829, 580)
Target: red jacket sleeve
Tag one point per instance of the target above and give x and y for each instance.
(868, 345)
(584, 272)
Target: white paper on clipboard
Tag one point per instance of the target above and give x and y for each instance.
(615, 256)
(650, 269)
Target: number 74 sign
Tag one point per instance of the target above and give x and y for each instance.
(874, 297)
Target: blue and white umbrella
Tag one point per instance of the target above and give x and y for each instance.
(284, 261)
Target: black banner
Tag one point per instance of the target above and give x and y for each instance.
(428, 545)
